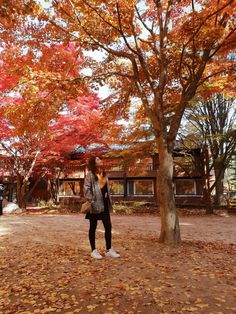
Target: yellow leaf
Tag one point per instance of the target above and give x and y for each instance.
(192, 309)
(91, 307)
(201, 305)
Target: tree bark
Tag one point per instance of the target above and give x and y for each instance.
(219, 187)
(53, 189)
(207, 198)
(21, 192)
(207, 187)
(170, 231)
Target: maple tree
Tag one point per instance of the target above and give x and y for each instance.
(157, 51)
(41, 155)
(42, 121)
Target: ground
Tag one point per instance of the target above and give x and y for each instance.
(45, 266)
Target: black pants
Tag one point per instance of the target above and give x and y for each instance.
(92, 231)
(0, 207)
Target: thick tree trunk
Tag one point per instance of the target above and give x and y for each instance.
(219, 188)
(207, 200)
(170, 231)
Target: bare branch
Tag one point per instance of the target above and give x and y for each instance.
(142, 21)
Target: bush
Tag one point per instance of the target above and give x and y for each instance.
(42, 203)
(135, 207)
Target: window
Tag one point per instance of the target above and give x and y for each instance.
(69, 188)
(185, 187)
(117, 187)
(141, 187)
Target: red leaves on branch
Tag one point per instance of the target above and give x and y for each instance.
(46, 111)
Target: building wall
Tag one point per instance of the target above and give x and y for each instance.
(135, 183)
(187, 191)
(138, 183)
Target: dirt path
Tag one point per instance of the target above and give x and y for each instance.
(45, 267)
(54, 228)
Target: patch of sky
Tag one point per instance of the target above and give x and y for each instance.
(98, 55)
(80, 149)
(104, 92)
(119, 146)
(95, 146)
(45, 3)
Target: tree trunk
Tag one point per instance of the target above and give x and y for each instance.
(207, 199)
(207, 187)
(219, 188)
(53, 189)
(21, 192)
(170, 231)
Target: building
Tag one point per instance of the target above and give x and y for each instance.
(137, 182)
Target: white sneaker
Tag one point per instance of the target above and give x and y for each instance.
(112, 253)
(96, 254)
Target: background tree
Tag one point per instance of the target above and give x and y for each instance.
(214, 120)
(231, 175)
(42, 121)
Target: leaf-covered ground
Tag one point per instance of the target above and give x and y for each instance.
(45, 266)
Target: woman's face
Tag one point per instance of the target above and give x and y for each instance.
(98, 162)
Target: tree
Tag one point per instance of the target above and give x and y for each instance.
(214, 120)
(157, 51)
(41, 121)
(231, 175)
(40, 154)
(190, 139)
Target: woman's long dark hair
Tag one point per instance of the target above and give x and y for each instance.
(93, 168)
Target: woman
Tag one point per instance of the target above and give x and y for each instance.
(96, 191)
